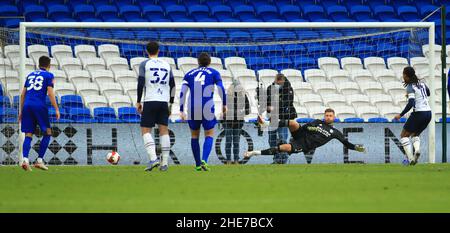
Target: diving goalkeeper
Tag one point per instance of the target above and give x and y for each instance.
(307, 137)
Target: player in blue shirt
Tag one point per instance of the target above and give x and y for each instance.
(34, 111)
(200, 82)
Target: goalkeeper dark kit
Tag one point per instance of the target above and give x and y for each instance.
(315, 134)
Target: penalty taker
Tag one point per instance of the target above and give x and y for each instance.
(307, 137)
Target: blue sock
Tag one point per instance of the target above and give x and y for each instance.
(207, 146)
(26, 146)
(196, 151)
(43, 146)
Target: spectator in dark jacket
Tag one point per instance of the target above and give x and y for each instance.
(280, 93)
(238, 107)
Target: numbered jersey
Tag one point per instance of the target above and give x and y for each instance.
(157, 73)
(36, 87)
(201, 84)
(419, 93)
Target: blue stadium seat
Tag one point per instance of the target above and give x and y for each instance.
(81, 115)
(303, 3)
(16, 100)
(307, 34)
(129, 115)
(176, 11)
(386, 50)
(106, 11)
(272, 50)
(314, 12)
(244, 12)
(5, 102)
(353, 120)
(105, 115)
(167, 3)
(267, 12)
(50, 3)
(153, 12)
(146, 35)
(58, 12)
(120, 4)
(427, 9)
(337, 13)
(261, 36)
(290, 12)
(71, 101)
(216, 35)
(213, 3)
(249, 51)
(129, 12)
(328, 3)
(193, 36)
(239, 36)
(64, 115)
(378, 120)
(294, 49)
(285, 35)
(120, 34)
(364, 50)
(207, 19)
(408, 13)
(96, 33)
(230, 20)
(198, 11)
(225, 51)
(84, 11)
(303, 62)
(168, 35)
(33, 12)
(317, 50)
(196, 50)
(9, 10)
(222, 12)
(8, 115)
(179, 51)
(257, 63)
(91, 20)
(385, 12)
(1, 90)
(360, 12)
(280, 63)
(340, 50)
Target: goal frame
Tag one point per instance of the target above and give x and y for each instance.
(260, 25)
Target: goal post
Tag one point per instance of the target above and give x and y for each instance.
(430, 26)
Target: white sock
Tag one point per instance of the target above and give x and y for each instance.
(407, 147)
(39, 160)
(165, 149)
(25, 160)
(149, 145)
(416, 144)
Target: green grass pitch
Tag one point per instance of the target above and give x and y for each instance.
(245, 188)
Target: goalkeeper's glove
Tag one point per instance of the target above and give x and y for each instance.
(360, 148)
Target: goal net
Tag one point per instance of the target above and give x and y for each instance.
(356, 69)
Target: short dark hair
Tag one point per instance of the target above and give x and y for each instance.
(44, 62)
(152, 47)
(329, 110)
(204, 59)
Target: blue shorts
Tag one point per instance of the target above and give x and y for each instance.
(207, 124)
(33, 115)
(417, 122)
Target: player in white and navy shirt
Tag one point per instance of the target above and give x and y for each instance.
(417, 93)
(156, 77)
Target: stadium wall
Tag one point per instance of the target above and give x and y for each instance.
(88, 144)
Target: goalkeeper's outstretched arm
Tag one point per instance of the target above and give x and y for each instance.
(339, 136)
